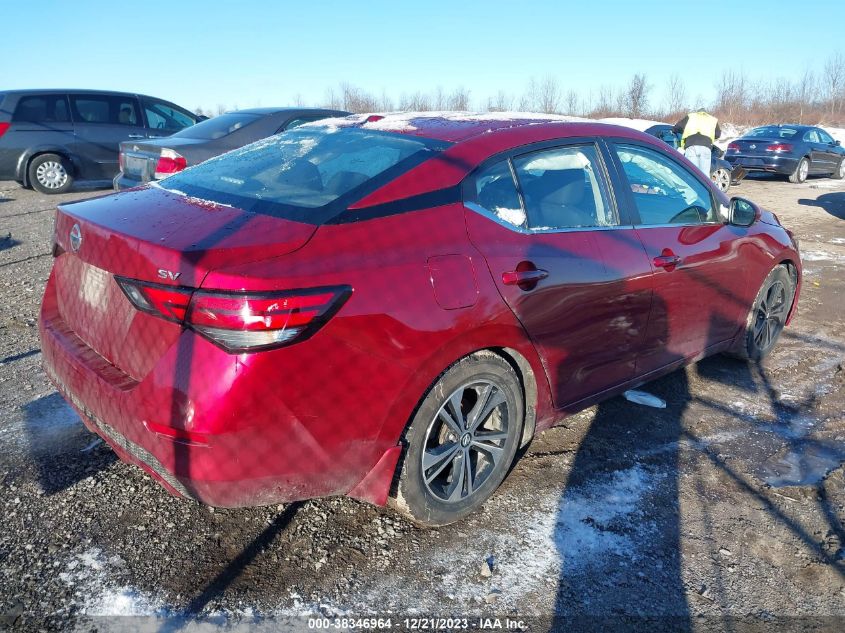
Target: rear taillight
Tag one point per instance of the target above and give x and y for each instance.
(237, 321)
(733, 147)
(121, 160)
(3, 128)
(169, 162)
(779, 147)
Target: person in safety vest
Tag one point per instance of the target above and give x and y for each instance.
(698, 131)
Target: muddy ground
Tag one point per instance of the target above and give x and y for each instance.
(724, 508)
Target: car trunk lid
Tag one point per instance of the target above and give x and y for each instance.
(156, 236)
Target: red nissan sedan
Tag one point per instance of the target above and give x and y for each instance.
(389, 307)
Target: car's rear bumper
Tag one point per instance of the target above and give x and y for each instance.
(254, 440)
(773, 164)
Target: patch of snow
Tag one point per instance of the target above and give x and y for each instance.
(512, 216)
(637, 124)
(817, 256)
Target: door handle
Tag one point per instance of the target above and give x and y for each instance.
(523, 277)
(136, 136)
(667, 260)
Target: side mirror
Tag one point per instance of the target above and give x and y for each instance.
(743, 212)
(837, 143)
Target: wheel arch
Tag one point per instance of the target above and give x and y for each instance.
(792, 268)
(31, 154)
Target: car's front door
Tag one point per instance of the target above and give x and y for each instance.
(548, 227)
(831, 151)
(700, 284)
(101, 122)
(818, 154)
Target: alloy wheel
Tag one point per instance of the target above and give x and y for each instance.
(803, 170)
(51, 174)
(722, 179)
(770, 316)
(465, 442)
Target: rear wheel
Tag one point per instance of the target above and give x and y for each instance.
(461, 442)
(839, 174)
(722, 179)
(768, 315)
(802, 170)
(50, 173)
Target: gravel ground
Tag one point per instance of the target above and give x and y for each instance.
(724, 508)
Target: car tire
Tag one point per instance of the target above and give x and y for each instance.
(466, 457)
(839, 173)
(722, 179)
(801, 172)
(50, 173)
(768, 315)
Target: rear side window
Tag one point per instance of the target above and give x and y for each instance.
(302, 121)
(664, 191)
(495, 191)
(105, 109)
(812, 137)
(163, 116)
(218, 127)
(299, 174)
(564, 187)
(42, 109)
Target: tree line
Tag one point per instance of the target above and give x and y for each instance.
(816, 97)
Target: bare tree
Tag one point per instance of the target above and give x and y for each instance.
(502, 102)
(634, 98)
(548, 95)
(298, 101)
(459, 99)
(332, 101)
(572, 102)
(676, 95)
(220, 109)
(732, 94)
(806, 92)
(604, 103)
(834, 81)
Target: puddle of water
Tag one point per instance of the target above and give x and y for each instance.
(806, 464)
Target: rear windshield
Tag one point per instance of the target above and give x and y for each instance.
(218, 127)
(308, 174)
(772, 131)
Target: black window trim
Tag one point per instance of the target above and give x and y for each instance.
(624, 184)
(468, 190)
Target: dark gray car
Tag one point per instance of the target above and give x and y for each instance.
(49, 138)
(143, 161)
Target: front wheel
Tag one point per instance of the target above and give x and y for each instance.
(768, 315)
(50, 173)
(722, 179)
(802, 170)
(461, 442)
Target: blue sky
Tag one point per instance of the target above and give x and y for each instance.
(205, 53)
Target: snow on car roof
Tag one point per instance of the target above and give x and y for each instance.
(446, 126)
(637, 124)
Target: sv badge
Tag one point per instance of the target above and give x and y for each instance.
(168, 274)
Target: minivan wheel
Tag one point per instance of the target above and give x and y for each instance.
(50, 173)
(722, 179)
(768, 315)
(461, 442)
(801, 171)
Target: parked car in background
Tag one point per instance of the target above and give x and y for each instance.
(49, 138)
(413, 295)
(143, 161)
(796, 151)
(722, 173)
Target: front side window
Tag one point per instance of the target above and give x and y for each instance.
(664, 192)
(105, 109)
(824, 137)
(564, 188)
(294, 173)
(162, 116)
(42, 109)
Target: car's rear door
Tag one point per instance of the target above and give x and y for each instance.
(40, 120)
(700, 284)
(563, 260)
(101, 122)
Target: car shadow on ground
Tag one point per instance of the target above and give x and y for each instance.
(833, 203)
(63, 450)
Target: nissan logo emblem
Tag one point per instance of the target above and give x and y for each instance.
(75, 237)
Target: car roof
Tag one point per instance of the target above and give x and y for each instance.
(85, 91)
(451, 127)
(290, 109)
